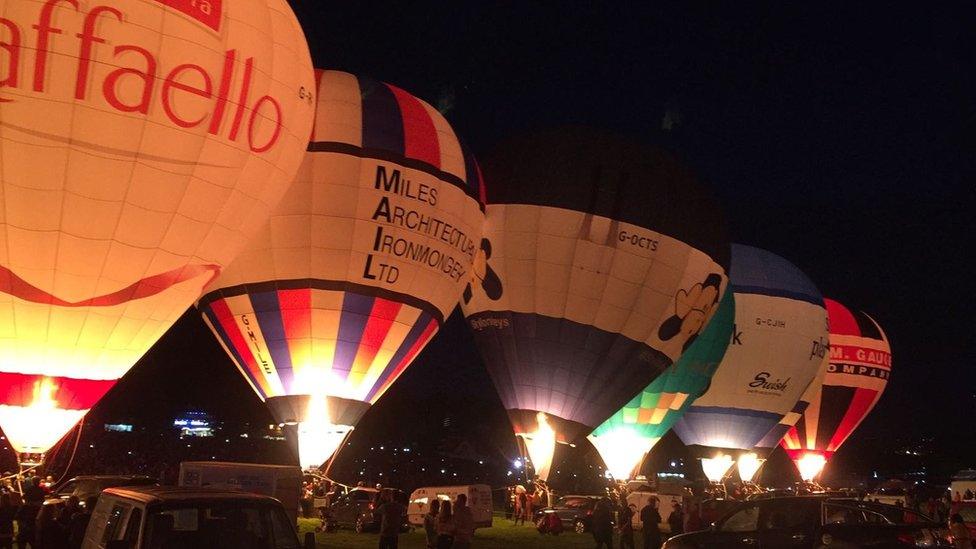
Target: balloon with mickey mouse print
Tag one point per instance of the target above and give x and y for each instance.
(603, 259)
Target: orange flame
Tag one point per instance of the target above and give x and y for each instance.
(44, 391)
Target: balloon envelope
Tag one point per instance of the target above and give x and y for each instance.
(778, 343)
(853, 381)
(358, 267)
(603, 260)
(625, 438)
(142, 143)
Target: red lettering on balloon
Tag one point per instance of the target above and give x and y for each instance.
(44, 29)
(13, 50)
(179, 79)
(204, 11)
(277, 122)
(223, 94)
(242, 100)
(171, 82)
(148, 79)
(87, 36)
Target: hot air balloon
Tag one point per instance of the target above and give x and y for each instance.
(857, 374)
(603, 260)
(778, 343)
(625, 438)
(356, 270)
(142, 144)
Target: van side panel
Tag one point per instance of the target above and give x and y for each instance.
(479, 501)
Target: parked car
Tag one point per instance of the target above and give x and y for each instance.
(815, 522)
(355, 510)
(575, 512)
(714, 509)
(144, 517)
(968, 511)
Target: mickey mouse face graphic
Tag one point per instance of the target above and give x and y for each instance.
(691, 310)
(490, 283)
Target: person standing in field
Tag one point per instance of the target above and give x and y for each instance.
(651, 524)
(391, 520)
(463, 523)
(430, 523)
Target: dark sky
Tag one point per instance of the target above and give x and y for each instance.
(839, 136)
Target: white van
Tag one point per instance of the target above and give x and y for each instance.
(163, 517)
(282, 482)
(479, 501)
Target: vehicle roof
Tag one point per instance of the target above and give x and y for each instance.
(109, 477)
(162, 494)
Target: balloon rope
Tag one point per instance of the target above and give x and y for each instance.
(81, 425)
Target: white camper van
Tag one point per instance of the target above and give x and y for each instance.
(479, 501)
(282, 482)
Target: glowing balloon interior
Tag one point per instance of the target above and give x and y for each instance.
(143, 142)
(748, 465)
(853, 381)
(577, 302)
(625, 438)
(357, 268)
(716, 467)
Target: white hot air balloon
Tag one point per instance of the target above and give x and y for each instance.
(141, 144)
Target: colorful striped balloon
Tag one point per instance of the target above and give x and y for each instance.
(858, 372)
(361, 262)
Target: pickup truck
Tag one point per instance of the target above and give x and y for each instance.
(158, 517)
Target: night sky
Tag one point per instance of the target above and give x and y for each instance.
(840, 137)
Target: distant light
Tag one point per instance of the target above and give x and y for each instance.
(481, 462)
(517, 464)
(443, 471)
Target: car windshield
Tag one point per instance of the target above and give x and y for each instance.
(223, 525)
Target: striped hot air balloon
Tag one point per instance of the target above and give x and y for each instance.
(358, 267)
(853, 381)
(141, 144)
(604, 259)
(625, 438)
(778, 345)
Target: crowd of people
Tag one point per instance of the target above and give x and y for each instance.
(26, 522)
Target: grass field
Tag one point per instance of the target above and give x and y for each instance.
(501, 536)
